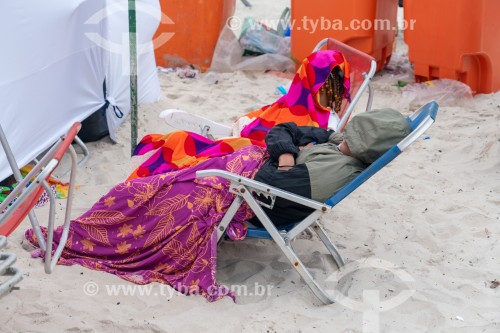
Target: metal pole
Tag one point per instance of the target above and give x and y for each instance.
(10, 156)
(132, 24)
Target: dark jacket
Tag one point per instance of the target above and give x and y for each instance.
(320, 171)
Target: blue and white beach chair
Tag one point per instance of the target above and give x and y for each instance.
(245, 189)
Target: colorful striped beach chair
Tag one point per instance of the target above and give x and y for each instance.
(21, 201)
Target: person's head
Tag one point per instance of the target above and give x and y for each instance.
(331, 94)
(368, 135)
(321, 69)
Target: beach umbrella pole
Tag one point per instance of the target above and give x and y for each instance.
(132, 24)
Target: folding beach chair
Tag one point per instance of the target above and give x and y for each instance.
(363, 68)
(247, 189)
(20, 202)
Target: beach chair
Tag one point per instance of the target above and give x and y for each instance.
(247, 189)
(29, 189)
(363, 68)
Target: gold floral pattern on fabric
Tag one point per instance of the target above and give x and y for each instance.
(125, 230)
(109, 201)
(104, 217)
(122, 247)
(97, 233)
(88, 244)
(161, 228)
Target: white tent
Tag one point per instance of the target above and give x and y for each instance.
(54, 59)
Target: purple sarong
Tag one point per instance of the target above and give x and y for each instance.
(162, 228)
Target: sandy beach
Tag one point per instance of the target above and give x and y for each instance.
(431, 219)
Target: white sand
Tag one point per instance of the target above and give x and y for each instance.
(433, 213)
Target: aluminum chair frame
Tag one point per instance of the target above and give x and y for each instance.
(245, 189)
(22, 199)
(6, 269)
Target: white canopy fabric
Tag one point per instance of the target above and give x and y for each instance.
(54, 58)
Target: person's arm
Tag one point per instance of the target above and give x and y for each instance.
(287, 137)
(336, 138)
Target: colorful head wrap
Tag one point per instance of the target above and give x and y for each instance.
(300, 104)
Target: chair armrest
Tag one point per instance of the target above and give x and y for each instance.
(69, 137)
(262, 187)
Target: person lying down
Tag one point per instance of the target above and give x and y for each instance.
(321, 162)
(161, 228)
(159, 225)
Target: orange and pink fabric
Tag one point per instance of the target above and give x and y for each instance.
(300, 105)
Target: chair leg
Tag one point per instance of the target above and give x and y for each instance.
(85, 151)
(51, 261)
(36, 228)
(6, 269)
(308, 232)
(303, 270)
(235, 205)
(286, 248)
(306, 275)
(337, 257)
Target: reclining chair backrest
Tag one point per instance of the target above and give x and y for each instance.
(419, 121)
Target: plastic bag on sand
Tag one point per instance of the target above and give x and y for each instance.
(227, 53)
(266, 62)
(256, 38)
(228, 57)
(445, 92)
